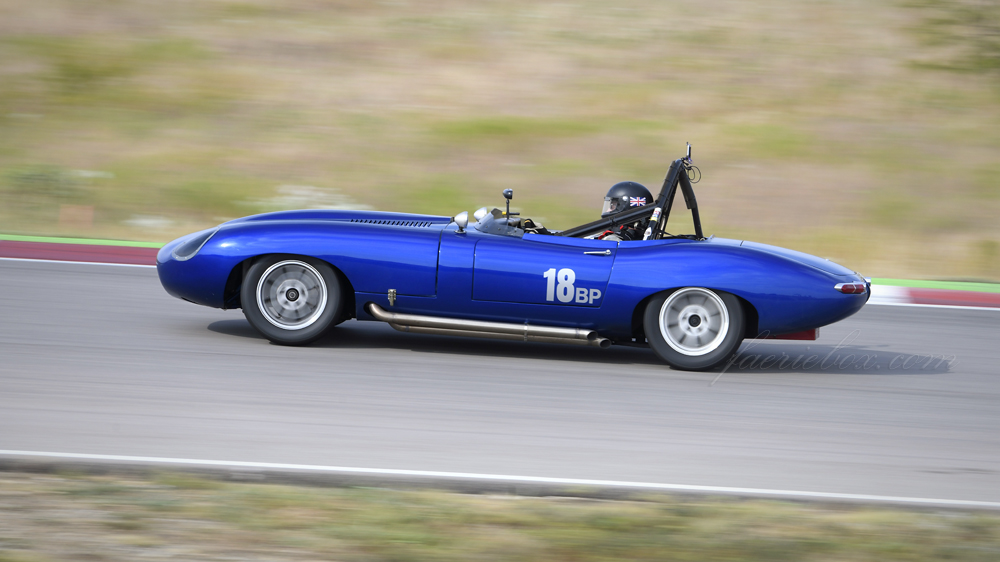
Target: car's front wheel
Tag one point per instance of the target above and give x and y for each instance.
(291, 300)
(694, 328)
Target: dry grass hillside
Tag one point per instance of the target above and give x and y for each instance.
(828, 126)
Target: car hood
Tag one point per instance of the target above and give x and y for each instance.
(376, 217)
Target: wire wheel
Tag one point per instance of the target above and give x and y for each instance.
(291, 295)
(694, 321)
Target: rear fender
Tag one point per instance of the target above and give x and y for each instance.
(780, 293)
(749, 311)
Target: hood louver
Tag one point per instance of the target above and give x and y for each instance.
(412, 224)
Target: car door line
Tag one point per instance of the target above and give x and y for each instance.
(542, 270)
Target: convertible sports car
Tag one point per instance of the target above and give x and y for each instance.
(690, 298)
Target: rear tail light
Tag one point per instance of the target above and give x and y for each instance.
(850, 288)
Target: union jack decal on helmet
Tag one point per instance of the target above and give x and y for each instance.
(636, 201)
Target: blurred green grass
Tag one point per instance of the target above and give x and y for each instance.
(833, 127)
(179, 515)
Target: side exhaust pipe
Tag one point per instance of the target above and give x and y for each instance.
(479, 329)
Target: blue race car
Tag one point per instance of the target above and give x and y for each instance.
(618, 280)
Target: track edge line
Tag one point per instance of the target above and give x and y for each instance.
(464, 480)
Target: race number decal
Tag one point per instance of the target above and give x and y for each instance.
(559, 285)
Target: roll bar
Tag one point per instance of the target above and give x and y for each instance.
(658, 213)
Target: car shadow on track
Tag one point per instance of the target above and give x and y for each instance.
(376, 335)
(764, 357)
(774, 357)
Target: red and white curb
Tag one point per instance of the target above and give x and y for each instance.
(949, 298)
(78, 253)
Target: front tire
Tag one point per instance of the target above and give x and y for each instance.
(291, 300)
(694, 328)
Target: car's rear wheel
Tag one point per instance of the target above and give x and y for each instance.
(694, 328)
(291, 300)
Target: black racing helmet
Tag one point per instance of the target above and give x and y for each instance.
(623, 196)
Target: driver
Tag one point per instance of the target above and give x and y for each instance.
(620, 198)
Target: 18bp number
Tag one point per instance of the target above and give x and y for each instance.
(560, 286)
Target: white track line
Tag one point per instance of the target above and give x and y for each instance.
(889, 294)
(34, 260)
(511, 478)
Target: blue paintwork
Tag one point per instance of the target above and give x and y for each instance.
(508, 269)
(439, 271)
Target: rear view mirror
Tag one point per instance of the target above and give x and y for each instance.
(462, 220)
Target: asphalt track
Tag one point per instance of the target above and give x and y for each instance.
(896, 401)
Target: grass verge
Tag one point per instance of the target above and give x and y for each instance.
(824, 126)
(177, 516)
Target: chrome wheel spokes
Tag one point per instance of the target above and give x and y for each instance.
(291, 294)
(694, 321)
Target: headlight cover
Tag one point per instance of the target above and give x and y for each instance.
(192, 245)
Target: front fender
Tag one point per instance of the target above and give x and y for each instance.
(373, 257)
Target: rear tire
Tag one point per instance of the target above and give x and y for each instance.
(694, 328)
(291, 300)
